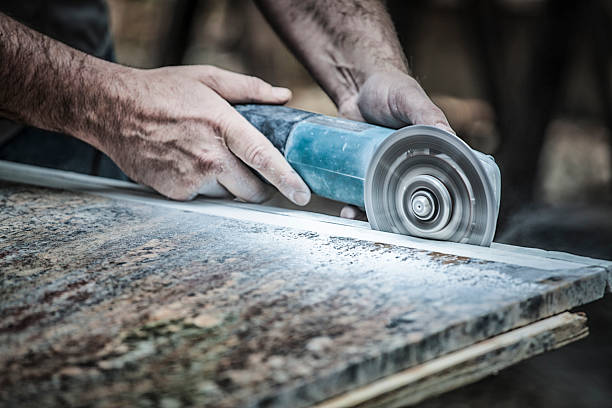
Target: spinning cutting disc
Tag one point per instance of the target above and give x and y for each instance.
(426, 182)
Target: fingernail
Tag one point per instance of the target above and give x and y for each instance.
(301, 197)
(281, 93)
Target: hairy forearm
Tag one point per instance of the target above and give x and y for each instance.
(52, 86)
(340, 42)
(172, 128)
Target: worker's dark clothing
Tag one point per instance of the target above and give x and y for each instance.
(84, 25)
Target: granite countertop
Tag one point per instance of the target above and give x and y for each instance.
(105, 302)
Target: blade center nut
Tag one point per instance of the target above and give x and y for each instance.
(423, 205)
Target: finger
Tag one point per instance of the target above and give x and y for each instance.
(353, 213)
(349, 109)
(398, 105)
(239, 88)
(433, 116)
(256, 151)
(212, 188)
(241, 182)
(411, 104)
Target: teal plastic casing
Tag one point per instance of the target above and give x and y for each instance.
(332, 155)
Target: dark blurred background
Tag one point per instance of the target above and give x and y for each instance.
(528, 81)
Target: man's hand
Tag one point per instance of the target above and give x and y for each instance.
(172, 129)
(181, 136)
(352, 50)
(393, 99)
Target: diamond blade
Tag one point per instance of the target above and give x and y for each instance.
(426, 182)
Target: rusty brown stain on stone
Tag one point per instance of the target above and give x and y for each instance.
(50, 295)
(14, 311)
(23, 323)
(381, 245)
(447, 259)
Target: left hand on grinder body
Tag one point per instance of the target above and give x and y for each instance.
(182, 137)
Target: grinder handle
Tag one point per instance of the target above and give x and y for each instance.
(331, 154)
(274, 121)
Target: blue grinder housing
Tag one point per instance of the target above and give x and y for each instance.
(330, 154)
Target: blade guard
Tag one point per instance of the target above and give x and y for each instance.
(426, 182)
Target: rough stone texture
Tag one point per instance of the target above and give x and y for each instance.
(580, 374)
(114, 303)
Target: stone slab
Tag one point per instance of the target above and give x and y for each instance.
(114, 302)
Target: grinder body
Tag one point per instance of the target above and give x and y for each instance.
(370, 167)
(330, 154)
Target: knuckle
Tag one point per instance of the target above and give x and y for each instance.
(434, 111)
(178, 190)
(257, 157)
(258, 195)
(171, 176)
(209, 75)
(210, 164)
(215, 126)
(183, 187)
(208, 70)
(224, 124)
(436, 114)
(411, 81)
(184, 195)
(256, 85)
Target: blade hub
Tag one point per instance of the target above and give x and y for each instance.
(423, 205)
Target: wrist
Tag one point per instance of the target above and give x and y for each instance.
(101, 101)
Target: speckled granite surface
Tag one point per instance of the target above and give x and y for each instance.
(114, 303)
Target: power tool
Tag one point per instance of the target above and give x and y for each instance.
(419, 180)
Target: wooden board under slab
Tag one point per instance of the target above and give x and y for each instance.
(464, 366)
(113, 296)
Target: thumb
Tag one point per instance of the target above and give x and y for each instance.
(239, 88)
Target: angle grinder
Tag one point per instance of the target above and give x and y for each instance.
(418, 180)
